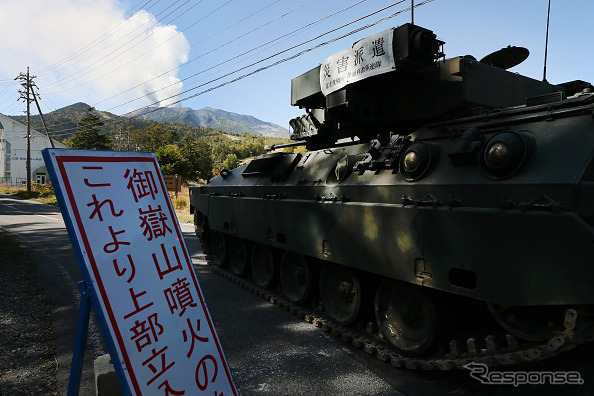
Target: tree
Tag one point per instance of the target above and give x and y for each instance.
(199, 155)
(87, 134)
(220, 151)
(231, 162)
(172, 162)
(153, 137)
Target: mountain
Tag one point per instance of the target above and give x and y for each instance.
(214, 118)
(63, 119)
(79, 110)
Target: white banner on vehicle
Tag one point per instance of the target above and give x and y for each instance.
(368, 57)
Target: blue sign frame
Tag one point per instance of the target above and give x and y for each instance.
(88, 299)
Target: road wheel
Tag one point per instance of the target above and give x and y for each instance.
(296, 277)
(199, 223)
(239, 257)
(264, 266)
(407, 316)
(340, 292)
(535, 323)
(218, 249)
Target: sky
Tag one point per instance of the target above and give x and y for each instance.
(123, 55)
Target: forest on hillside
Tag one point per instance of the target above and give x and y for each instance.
(193, 152)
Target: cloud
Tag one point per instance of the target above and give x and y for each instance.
(87, 50)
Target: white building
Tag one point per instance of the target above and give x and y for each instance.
(13, 154)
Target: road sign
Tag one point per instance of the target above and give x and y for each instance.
(131, 251)
(173, 183)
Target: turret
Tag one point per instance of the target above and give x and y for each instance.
(397, 80)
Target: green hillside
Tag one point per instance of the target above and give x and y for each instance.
(192, 151)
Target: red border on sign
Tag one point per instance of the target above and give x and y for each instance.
(87, 159)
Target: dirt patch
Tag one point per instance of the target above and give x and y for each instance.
(27, 351)
(233, 137)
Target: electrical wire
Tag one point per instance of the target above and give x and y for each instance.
(99, 39)
(114, 54)
(274, 55)
(15, 98)
(251, 51)
(69, 130)
(291, 57)
(190, 61)
(229, 42)
(243, 35)
(102, 49)
(8, 88)
(45, 104)
(262, 60)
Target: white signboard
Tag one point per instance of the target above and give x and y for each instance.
(368, 57)
(132, 250)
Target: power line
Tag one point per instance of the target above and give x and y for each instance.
(272, 56)
(47, 108)
(221, 46)
(98, 51)
(15, 99)
(237, 38)
(114, 54)
(78, 52)
(40, 113)
(12, 84)
(69, 130)
(104, 35)
(246, 52)
(293, 56)
(214, 80)
(48, 97)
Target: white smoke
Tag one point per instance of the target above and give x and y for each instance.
(88, 51)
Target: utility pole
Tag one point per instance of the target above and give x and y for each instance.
(120, 138)
(26, 80)
(35, 95)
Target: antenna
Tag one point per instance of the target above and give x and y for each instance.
(544, 72)
(412, 12)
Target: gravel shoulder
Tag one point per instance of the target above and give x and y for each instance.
(28, 362)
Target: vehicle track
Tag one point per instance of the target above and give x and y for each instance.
(457, 357)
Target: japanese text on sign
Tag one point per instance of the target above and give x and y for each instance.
(137, 261)
(368, 57)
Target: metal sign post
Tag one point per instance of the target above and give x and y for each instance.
(80, 340)
(138, 275)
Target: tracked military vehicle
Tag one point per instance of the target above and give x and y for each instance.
(432, 190)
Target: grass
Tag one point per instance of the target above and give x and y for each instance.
(45, 194)
(39, 193)
(182, 205)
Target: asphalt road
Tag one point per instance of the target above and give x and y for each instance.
(269, 351)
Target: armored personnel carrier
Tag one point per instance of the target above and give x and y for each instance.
(432, 191)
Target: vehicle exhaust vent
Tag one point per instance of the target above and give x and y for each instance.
(544, 99)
